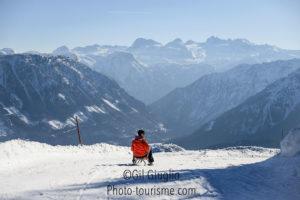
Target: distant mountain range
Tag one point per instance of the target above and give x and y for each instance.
(148, 70)
(219, 53)
(259, 120)
(41, 95)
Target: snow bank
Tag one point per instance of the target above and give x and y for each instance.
(33, 170)
(251, 149)
(290, 145)
(22, 148)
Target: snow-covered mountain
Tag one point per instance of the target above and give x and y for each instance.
(226, 53)
(186, 109)
(88, 55)
(6, 51)
(98, 49)
(151, 52)
(41, 95)
(220, 53)
(257, 121)
(64, 51)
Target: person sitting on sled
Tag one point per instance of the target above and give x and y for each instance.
(140, 148)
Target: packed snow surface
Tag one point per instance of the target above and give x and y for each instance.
(32, 170)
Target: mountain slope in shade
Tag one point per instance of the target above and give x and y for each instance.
(148, 83)
(257, 121)
(186, 109)
(41, 95)
(126, 70)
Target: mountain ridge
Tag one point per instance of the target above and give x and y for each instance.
(185, 109)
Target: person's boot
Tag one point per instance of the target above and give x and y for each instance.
(150, 162)
(133, 161)
(150, 158)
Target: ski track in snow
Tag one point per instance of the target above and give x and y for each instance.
(32, 170)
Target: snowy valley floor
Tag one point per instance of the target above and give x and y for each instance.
(31, 170)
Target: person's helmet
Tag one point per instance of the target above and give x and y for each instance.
(140, 132)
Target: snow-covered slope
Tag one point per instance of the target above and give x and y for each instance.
(31, 170)
(186, 109)
(257, 121)
(41, 95)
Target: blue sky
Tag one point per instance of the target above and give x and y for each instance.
(44, 25)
